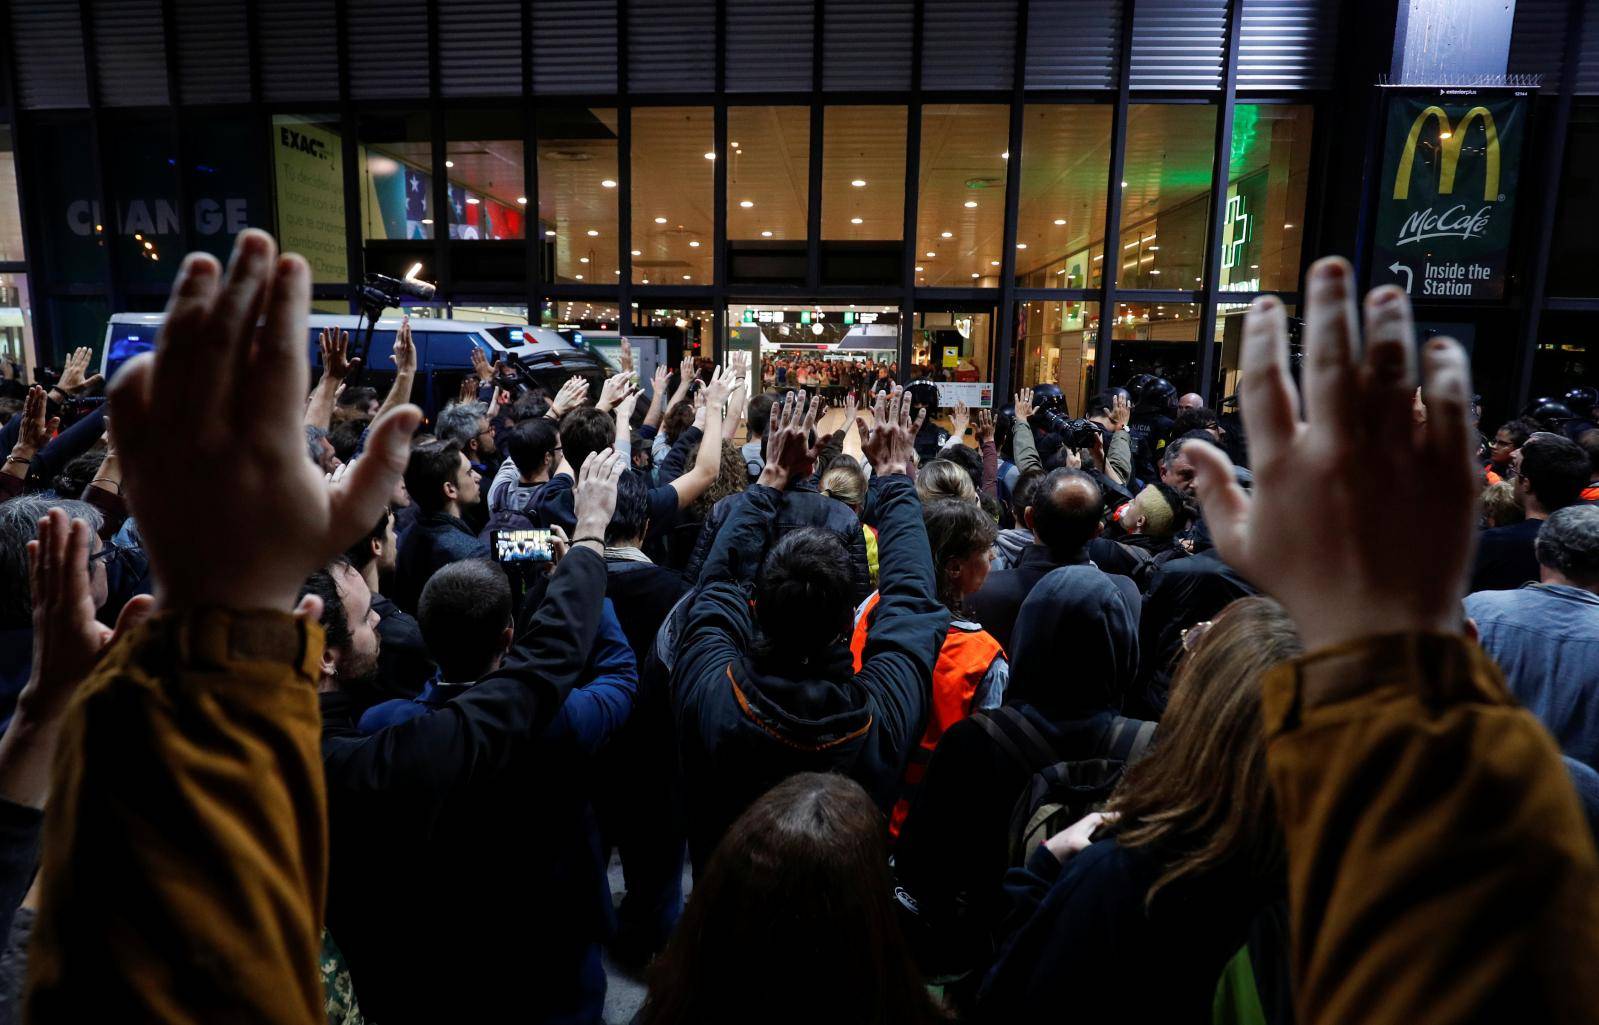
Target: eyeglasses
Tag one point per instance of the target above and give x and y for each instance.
(106, 553)
(1192, 635)
(1497, 443)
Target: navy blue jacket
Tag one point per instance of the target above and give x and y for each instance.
(450, 831)
(746, 723)
(434, 541)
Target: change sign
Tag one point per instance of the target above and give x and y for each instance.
(1448, 191)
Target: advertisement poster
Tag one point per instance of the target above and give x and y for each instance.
(976, 394)
(310, 182)
(1447, 196)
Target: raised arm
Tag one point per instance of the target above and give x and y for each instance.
(404, 368)
(708, 462)
(35, 431)
(595, 711)
(1439, 867)
(337, 364)
(657, 410)
(1021, 438)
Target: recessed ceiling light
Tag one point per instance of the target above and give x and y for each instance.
(855, 220)
(766, 234)
(646, 281)
(993, 263)
(579, 277)
(608, 183)
(1060, 221)
(931, 255)
(733, 144)
(947, 234)
(521, 200)
(449, 163)
(638, 252)
(429, 220)
(975, 274)
(473, 201)
(660, 220)
(549, 234)
(1005, 155)
(971, 204)
(920, 269)
(1287, 227)
(1124, 184)
(859, 183)
(1021, 245)
(694, 243)
(710, 156)
(593, 233)
(583, 259)
(687, 277)
(746, 203)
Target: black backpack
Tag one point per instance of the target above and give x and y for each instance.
(513, 513)
(1060, 792)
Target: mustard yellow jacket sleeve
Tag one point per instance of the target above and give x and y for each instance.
(185, 845)
(1440, 869)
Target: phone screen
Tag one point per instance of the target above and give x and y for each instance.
(513, 546)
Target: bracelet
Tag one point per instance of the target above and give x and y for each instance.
(107, 480)
(588, 537)
(19, 459)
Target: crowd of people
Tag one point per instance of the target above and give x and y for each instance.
(316, 710)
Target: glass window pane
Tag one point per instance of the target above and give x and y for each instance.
(226, 180)
(577, 193)
(1159, 339)
(863, 173)
(483, 163)
(960, 209)
(673, 179)
(145, 193)
(1574, 249)
(1566, 356)
(16, 323)
(953, 345)
(1228, 342)
(75, 228)
(308, 183)
(768, 172)
(1061, 216)
(10, 215)
(1055, 344)
(396, 157)
(1165, 201)
(1268, 176)
(580, 315)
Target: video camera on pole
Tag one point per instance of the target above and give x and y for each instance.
(379, 292)
(1051, 415)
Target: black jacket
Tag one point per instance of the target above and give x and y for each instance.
(744, 725)
(995, 605)
(418, 864)
(1184, 592)
(434, 541)
(800, 506)
(1506, 558)
(403, 661)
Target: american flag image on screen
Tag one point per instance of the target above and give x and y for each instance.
(417, 187)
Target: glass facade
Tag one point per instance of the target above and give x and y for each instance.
(682, 184)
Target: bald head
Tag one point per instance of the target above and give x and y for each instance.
(1066, 511)
(1192, 400)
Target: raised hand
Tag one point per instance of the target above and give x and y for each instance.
(1120, 412)
(615, 388)
(985, 426)
(961, 420)
(336, 360)
(480, 366)
(468, 390)
(571, 395)
(404, 349)
(72, 371)
(720, 387)
(594, 495)
(790, 454)
(1024, 405)
(232, 512)
(658, 380)
(1330, 551)
(35, 431)
(890, 445)
(627, 356)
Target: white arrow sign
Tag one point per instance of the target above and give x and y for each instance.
(1410, 276)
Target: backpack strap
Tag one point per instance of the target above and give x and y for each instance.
(1129, 738)
(1017, 736)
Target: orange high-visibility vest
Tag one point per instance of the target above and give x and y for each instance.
(963, 660)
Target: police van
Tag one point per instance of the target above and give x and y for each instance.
(443, 352)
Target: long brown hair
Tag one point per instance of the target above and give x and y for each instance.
(793, 921)
(1201, 799)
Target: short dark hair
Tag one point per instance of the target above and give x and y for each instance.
(346, 438)
(1556, 470)
(463, 612)
(759, 413)
(19, 524)
(1022, 493)
(955, 529)
(335, 624)
(1066, 512)
(1175, 447)
(79, 471)
(432, 466)
(1589, 442)
(586, 430)
(530, 441)
(1520, 429)
(678, 419)
(1568, 542)
(1101, 403)
(359, 395)
(632, 514)
(1194, 420)
(967, 459)
(360, 554)
(533, 403)
(805, 594)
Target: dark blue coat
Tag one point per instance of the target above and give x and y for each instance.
(434, 541)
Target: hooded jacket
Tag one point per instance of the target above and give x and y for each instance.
(746, 722)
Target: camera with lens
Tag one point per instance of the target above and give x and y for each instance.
(382, 291)
(1076, 433)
